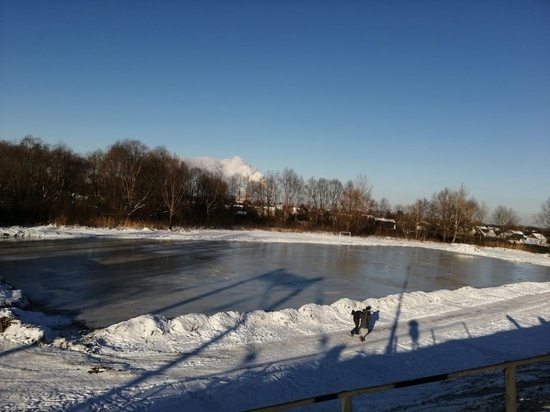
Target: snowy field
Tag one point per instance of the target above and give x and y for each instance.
(238, 361)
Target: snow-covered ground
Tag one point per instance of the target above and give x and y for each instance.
(238, 361)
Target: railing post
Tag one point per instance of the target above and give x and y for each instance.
(346, 404)
(510, 383)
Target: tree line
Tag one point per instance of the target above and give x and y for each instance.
(131, 184)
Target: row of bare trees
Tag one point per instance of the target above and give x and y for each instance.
(130, 183)
(126, 183)
(450, 214)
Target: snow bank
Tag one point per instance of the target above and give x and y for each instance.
(23, 327)
(10, 297)
(231, 329)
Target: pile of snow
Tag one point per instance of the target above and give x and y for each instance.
(10, 297)
(24, 327)
(188, 332)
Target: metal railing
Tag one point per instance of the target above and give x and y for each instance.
(509, 369)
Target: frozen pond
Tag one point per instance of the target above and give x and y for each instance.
(106, 281)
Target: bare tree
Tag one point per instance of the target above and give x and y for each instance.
(210, 191)
(94, 180)
(10, 185)
(311, 193)
(31, 179)
(453, 213)
(323, 194)
(63, 183)
(320, 196)
(334, 192)
(236, 185)
(121, 170)
(482, 212)
(462, 212)
(383, 208)
(364, 187)
(505, 217)
(543, 217)
(272, 189)
(291, 187)
(413, 219)
(469, 218)
(441, 212)
(37, 183)
(263, 194)
(354, 201)
(255, 195)
(173, 181)
(350, 205)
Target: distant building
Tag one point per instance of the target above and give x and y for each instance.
(484, 232)
(513, 236)
(536, 239)
(381, 223)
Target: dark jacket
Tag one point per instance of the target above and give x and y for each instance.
(365, 318)
(356, 314)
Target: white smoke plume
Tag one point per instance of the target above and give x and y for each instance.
(230, 167)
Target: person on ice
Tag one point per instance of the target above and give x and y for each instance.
(356, 318)
(365, 321)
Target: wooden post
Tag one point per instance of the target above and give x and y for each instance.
(510, 383)
(346, 404)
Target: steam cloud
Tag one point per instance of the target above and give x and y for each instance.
(234, 166)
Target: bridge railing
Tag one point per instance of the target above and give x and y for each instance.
(345, 397)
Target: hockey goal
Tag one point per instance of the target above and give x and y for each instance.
(344, 237)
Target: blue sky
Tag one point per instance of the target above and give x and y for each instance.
(416, 95)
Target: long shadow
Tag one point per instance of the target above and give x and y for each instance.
(294, 283)
(513, 321)
(147, 375)
(392, 342)
(414, 333)
(21, 348)
(315, 377)
(277, 304)
(375, 317)
(273, 280)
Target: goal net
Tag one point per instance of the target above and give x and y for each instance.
(344, 237)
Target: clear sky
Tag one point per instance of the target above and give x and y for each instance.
(416, 95)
